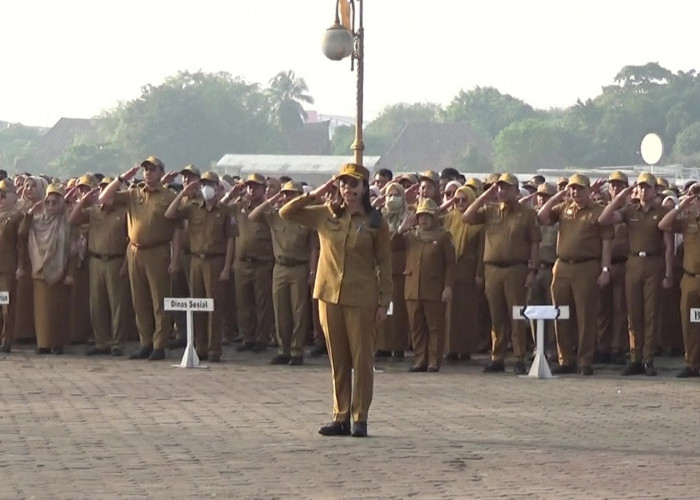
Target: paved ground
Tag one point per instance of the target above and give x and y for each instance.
(73, 427)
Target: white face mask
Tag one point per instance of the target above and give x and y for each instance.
(208, 192)
(394, 202)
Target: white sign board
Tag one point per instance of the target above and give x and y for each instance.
(4, 298)
(185, 304)
(695, 314)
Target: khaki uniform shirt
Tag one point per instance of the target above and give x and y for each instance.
(548, 245)
(208, 231)
(429, 266)
(580, 235)
(146, 222)
(9, 241)
(689, 226)
(107, 230)
(254, 238)
(291, 242)
(354, 265)
(643, 228)
(509, 232)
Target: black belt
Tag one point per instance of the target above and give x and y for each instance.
(283, 261)
(253, 260)
(546, 265)
(108, 256)
(645, 254)
(578, 261)
(692, 275)
(206, 255)
(618, 260)
(148, 247)
(504, 265)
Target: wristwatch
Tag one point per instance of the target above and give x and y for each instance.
(606, 269)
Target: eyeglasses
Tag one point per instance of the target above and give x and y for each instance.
(350, 181)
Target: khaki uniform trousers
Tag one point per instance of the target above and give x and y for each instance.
(349, 332)
(80, 329)
(319, 339)
(643, 287)
(150, 284)
(254, 300)
(690, 298)
(180, 287)
(427, 320)
(393, 334)
(612, 335)
(24, 305)
(204, 283)
(51, 306)
(109, 302)
(575, 285)
(505, 288)
(669, 324)
(7, 312)
(290, 300)
(462, 318)
(540, 294)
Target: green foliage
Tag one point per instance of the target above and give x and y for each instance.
(343, 137)
(527, 145)
(82, 157)
(286, 94)
(382, 132)
(486, 110)
(16, 144)
(687, 147)
(473, 161)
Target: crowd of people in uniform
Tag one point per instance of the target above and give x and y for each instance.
(359, 267)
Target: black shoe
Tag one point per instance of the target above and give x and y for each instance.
(43, 350)
(296, 361)
(586, 370)
(563, 369)
(116, 350)
(602, 357)
(259, 347)
(519, 368)
(280, 359)
(688, 372)
(157, 355)
(245, 346)
(399, 355)
(635, 368)
(318, 351)
(6, 348)
(383, 354)
(97, 351)
(57, 350)
(203, 357)
(618, 358)
(177, 343)
(142, 353)
(433, 369)
(650, 370)
(359, 429)
(335, 429)
(418, 368)
(465, 357)
(494, 367)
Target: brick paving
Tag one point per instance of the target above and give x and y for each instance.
(73, 427)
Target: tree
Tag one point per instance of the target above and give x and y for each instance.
(83, 156)
(286, 94)
(687, 147)
(528, 145)
(343, 137)
(195, 118)
(382, 132)
(16, 144)
(487, 110)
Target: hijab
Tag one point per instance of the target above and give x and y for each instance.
(454, 224)
(395, 215)
(49, 245)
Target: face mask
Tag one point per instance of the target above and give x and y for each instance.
(394, 202)
(208, 192)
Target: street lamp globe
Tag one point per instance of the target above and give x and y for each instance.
(337, 43)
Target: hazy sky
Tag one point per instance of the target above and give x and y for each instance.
(76, 58)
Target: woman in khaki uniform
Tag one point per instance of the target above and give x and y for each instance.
(430, 259)
(462, 311)
(32, 191)
(46, 232)
(393, 334)
(10, 218)
(353, 285)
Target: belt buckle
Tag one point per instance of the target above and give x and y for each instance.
(642, 254)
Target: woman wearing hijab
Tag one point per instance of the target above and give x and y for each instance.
(353, 285)
(32, 190)
(430, 259)
(393, 334)
(47, 232)
(462, 311)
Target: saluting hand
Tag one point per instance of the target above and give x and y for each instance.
(71, 194)
(131, 173)
(598, 184)
(323, 189)
(169, 177)
(687, 201)
(191, 188)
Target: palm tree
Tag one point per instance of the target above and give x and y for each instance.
(286, 94)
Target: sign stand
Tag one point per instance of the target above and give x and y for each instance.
(540, 367)
(190, 306)
(4, 298)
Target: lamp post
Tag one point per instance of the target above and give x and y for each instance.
(338, 42)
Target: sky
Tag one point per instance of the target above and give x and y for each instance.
(77, 58)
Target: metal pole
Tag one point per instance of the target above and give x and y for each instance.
(358, 146)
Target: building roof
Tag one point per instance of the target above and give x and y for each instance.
(53, 143)
(434, 146)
